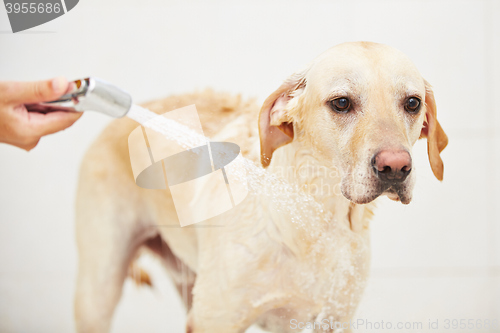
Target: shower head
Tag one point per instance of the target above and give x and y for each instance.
(90, 94)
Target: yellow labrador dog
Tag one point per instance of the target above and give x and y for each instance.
(341, 130)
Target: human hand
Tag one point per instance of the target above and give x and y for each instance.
(24, 129)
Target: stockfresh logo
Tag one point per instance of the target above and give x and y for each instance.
(204, 181)
(28, 14)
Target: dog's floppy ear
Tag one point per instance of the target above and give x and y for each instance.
(275, 125)
(432, 130)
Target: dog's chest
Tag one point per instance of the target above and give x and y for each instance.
(324, 285)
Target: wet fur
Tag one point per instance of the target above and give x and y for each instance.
(259, 266)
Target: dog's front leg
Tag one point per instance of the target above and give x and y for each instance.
(220, 318)
(222, 306)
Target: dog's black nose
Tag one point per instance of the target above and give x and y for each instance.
(392, 165)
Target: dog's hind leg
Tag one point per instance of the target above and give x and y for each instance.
(108, 237)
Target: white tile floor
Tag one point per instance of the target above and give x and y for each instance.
(436, 259)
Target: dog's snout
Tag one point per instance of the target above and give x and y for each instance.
(392, 165)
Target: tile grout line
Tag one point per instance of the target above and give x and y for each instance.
(436, 272)
(488, 65)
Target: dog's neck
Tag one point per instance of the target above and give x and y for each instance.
(297, 164)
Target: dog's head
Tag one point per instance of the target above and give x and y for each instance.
(360, 107)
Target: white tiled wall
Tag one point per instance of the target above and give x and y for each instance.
(436, 259)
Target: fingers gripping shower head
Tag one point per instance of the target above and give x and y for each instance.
(90, 94)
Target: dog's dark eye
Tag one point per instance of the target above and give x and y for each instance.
(412, 105)
(340, 105)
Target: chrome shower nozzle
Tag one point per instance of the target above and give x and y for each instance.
(90, 94)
